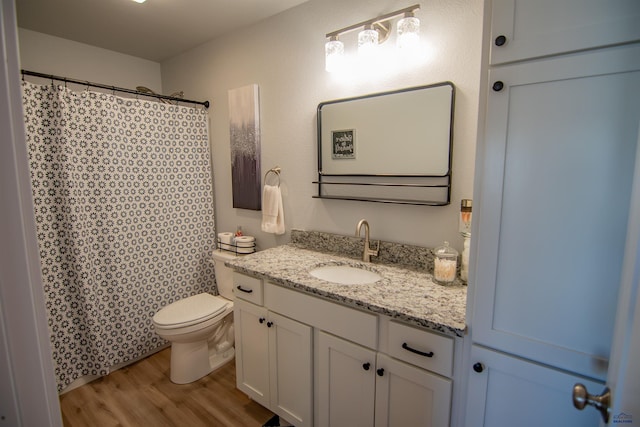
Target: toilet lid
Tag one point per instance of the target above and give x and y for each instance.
(191, 310)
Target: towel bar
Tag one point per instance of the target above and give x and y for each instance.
(276, 170)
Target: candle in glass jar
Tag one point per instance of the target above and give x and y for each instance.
(445, 264)
(445, 270)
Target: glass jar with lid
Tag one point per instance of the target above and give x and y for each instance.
(445, 264)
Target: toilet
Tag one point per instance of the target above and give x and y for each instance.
(200, 328)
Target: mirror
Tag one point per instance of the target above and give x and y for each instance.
(397, 143)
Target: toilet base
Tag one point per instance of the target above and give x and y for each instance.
(218, 360)
(192, 361)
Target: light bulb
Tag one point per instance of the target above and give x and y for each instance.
(367, 42)
(408, 32)
(334, 54)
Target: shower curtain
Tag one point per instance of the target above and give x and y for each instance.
(124, 212)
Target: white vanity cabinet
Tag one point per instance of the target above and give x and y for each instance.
(316, 362)
(368, 369)
(358, 386)
(273, 356)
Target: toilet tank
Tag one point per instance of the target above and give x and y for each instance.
(224, 275)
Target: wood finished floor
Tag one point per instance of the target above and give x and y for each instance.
(142, 395)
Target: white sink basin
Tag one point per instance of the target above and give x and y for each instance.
(345, 275)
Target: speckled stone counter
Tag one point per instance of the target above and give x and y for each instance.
(405, 294)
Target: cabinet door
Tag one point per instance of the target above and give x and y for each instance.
(290, 369)
(252, 350)
(522, 29)
(346, 383)
(508, 391)
(557, 167)
(410, 396)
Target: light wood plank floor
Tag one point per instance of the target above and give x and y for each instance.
(142, 395)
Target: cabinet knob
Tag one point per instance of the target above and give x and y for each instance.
(261, 320)
(478, 367)
(380, 372)
(269, 324)
(500, 40)
(498, 86)
(366, 366)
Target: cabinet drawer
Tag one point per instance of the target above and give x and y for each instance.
(349, 323)
(248, 288)
(421, 348)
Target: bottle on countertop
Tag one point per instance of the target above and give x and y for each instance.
(466, 206)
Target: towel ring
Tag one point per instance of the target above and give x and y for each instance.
(276, 170)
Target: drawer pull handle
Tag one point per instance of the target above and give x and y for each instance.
(413, 350)
(246, 291)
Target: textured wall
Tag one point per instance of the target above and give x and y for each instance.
(53, 55)
(284, 55)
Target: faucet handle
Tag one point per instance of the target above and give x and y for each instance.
(374, 252)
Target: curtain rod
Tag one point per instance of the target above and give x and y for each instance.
(112, 88)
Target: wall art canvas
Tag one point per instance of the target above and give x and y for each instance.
(244, 122)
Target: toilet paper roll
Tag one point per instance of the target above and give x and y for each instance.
(226, 241)
(245, 244)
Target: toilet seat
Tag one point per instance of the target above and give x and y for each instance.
(190, 311)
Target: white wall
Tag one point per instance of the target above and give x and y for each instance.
(65, 58)
(284, 55)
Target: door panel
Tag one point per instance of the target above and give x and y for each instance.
(624, 370)
(514, 392)
(409, 396)
(546, 27)
(252, 351)
(560, 149)
(346, 388)
(290, 358)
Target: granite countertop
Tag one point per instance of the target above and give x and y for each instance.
(405, 294)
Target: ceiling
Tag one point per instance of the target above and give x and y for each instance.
(154, 30)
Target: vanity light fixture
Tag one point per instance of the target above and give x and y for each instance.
(139, 1)
(334, 54)
(408, 32)
(374, 32)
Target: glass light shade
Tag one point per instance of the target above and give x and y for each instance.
(408, 32)
(334, 55)
(367, 42)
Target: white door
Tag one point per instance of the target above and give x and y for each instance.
(624, 369)
(556, 206)
(346, 383)
(525, 29)
(409, 396)
(290, 369)
(252, 350)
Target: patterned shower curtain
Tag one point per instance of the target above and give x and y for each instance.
(124, 211)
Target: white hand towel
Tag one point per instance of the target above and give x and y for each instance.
(272, 210)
